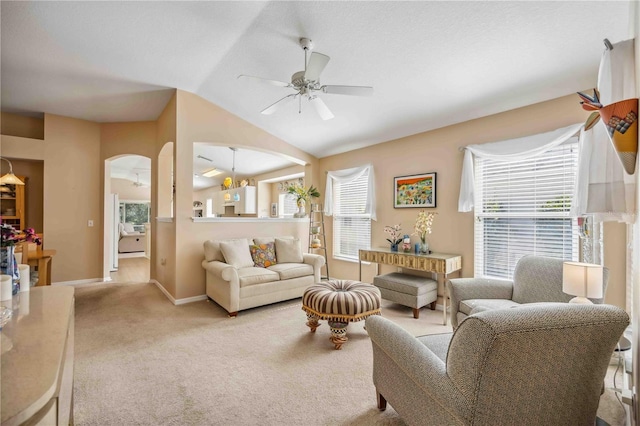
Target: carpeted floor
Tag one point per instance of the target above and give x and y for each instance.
(141, 360)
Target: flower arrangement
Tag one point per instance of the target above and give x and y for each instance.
(394, 232)
(303, 195)
(11, 237)
(423, 224)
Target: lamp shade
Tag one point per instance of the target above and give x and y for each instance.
(583, 280)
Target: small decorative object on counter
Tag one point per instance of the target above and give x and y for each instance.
(406, 244)
(394, 233)
(315, 242)
(8, 264)
(315, 230)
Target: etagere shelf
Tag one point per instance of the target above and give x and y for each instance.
(317, 238)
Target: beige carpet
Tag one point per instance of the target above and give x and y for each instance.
(140, 360)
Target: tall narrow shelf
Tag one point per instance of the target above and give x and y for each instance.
(12, 204)
(317, 238)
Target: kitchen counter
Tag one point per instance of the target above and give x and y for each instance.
(37, 358)
(249, 219)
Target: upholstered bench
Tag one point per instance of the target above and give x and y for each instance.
(408, 290)
(339, 302)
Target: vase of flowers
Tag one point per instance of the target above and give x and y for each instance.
(423, 228)
(8, 265)
(302, 196)
(394, 234)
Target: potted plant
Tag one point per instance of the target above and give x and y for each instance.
(422, 228)
(302, 196)
(9, 238)
(394, 232)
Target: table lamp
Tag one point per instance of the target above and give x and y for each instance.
(583, 280)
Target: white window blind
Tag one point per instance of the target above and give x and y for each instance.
(351, 225)
(522, 207)
(287, 205)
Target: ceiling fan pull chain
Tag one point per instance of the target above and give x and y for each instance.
(300, 104)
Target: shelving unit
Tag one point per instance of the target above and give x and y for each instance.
(317, 238)
(12, 205)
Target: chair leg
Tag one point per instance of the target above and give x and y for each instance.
(416, 313)
(382, 403)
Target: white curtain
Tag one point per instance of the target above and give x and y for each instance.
(346, 176)
(604, 190)
(509, 150)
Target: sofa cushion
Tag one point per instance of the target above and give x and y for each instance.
(473, 306)
(212, 249)
(292, 270)
(236, 253)
(267, 240)
(252, 276)
(288, 250)
(264, 255)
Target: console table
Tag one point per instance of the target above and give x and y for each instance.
(439, 263)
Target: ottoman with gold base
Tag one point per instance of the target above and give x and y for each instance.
(339, 302)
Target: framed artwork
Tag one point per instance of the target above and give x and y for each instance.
(274, 209)
(414, 191)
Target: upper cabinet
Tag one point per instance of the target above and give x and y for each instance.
(245, 205)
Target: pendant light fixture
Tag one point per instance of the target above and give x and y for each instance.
(230, 182)
(10, 178)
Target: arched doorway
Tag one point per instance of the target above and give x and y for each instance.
(127, 212)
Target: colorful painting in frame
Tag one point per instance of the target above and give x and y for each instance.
(414, 191)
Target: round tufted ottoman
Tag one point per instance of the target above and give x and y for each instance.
(339, 302)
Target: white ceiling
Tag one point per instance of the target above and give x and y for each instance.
(431, 64)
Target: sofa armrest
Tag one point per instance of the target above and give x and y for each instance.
(221, 270)
(315, 260)
(399, 355)
(476, 288)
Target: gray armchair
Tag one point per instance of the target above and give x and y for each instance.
(535, 279)
(530, 365)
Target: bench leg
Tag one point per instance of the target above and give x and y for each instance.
(338, 333)
(416, 313)
(382, 403)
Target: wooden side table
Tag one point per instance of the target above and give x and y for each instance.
(439, 263)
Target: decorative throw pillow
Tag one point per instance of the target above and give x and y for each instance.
(236, 253)
(288, 250)
(264, 255)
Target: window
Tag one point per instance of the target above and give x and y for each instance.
(351, 222)
(522, 208)
(136, 213)
(287, 205)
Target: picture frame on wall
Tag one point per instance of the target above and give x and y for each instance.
(274, 209)
(414, 191)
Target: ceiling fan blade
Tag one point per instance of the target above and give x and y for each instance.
(266, 80)
(321, 108)
(274, 106)
(349, 90)
(316, 64)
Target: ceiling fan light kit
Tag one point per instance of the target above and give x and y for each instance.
(307, 83)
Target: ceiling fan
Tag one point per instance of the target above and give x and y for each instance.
(137, 183)
(306, 84)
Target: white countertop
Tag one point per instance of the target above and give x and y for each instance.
(248, 219)
(33, 344)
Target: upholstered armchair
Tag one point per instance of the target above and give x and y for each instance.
(529, 365)
(535, 279)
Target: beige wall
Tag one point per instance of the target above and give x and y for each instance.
(437, 151)
(201, 121)
(72, 176)
(163, 244)
(22, 126)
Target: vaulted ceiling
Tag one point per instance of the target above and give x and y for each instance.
(431, 64)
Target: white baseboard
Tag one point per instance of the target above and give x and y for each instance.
(178, 301)
(79, 282)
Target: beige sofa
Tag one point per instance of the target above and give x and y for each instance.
(244, 273)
